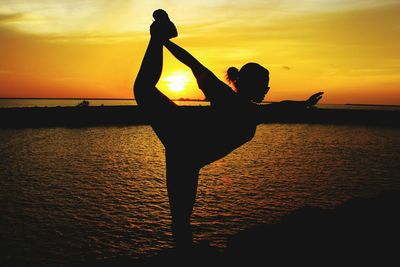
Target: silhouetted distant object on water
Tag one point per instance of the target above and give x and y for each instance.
(84, 103)
(193, 142)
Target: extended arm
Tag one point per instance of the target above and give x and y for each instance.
(290, 104)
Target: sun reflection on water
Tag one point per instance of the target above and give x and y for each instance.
(101, 191)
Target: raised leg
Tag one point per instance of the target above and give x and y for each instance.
(145, 90)
(158, 108)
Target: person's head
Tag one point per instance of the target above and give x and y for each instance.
(251, 81)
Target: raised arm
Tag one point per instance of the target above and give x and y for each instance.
(216, 91)
(184, 56)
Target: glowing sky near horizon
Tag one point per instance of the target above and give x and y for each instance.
(93, 48)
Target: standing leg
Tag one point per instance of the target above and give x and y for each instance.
(182, 181)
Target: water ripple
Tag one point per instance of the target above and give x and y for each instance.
(70, 195)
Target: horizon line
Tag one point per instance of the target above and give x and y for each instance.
(179, 99)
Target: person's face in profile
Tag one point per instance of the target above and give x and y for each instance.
(257, 88)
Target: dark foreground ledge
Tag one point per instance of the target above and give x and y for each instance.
(361, 231)
(133, 115)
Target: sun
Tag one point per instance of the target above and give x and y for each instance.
(177, 81)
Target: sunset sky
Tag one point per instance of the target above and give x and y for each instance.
(350, 49)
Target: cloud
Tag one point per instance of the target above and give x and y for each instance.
(7, 25)
(247, 22)
(13, 25)
(6, 18)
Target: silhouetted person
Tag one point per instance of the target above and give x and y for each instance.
(191, 142)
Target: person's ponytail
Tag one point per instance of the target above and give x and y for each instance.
(232, 74)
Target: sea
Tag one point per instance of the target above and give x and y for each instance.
(74, 195)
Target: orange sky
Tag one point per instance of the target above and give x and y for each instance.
(347, 48)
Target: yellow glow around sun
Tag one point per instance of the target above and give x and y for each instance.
(177, 81)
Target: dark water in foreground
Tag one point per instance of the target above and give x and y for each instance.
(71, 195)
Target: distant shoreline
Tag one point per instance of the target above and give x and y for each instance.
(373, 105)
(179, 99)
(37, 117)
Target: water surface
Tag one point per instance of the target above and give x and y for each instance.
(70, 195)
